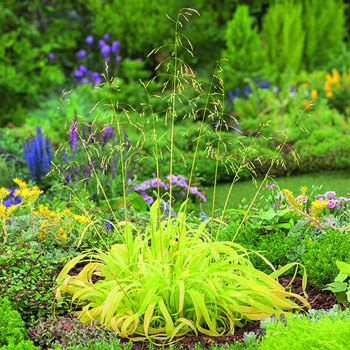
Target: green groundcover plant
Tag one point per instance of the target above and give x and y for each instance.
(169, 279)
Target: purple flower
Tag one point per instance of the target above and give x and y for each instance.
(81, 54)
(85, 81)
(78, 73)
(96, 78)
(183, 193)
(107, 59)
(107, 37)
(105, 50)
(101, 43)
(194, 190)
(330, 194)
(51, 56)
(148, 199)
(82, 68)
(118, 58)
(115, 46)
(72, 136)
(89, 39)
(183, 184)
(154, 182)
(139, 60)
(271, 186)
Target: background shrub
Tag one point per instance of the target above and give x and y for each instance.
(324, 25)
(31, 30)
(244, 48)
(284, 35)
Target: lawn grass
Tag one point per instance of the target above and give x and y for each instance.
(338, 181)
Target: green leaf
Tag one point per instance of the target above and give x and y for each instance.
(343, 267)
(337, 287)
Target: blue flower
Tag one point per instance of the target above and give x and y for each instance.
(264, 85)
(85, 81)
(37, 153)
(107, 37)
(105, 50)
(11, 200)
(238, 92)
(107, 225)
(51, 56)
(89, 39)
(81, 54)
(115, 46)
(82, 68)
(78, 73)
(101, 43)
(96, 77)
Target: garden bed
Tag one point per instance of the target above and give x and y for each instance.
(318, 299)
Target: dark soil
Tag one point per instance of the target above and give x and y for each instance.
(317, 299)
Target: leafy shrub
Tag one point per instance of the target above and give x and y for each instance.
(27, 280)
(322, 254)
(31, 31)
(67, 331)
(12, 328)
(12, 163)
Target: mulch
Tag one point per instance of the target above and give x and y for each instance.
(318, 300)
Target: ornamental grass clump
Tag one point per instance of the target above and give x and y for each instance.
(169, 279)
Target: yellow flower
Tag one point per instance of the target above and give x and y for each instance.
(22, 185)
(4, 193)
(327, 86)
(64, 236)
(5, 212)
(336, 75)
(314, 94)
(60, 230)
(329, 94)
(81, 218)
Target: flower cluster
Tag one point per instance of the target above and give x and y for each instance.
(27, 196)
(337, 88)
(331, 82)
(106, 48)
(315, 207)
(38, 154)
(333, 202)
(246, 90)
(180, 186)
(58, 224)
(11, 198)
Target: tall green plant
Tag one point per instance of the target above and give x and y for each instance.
(170, 279)
(244, 47)
(324, 25)
(284, 35)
